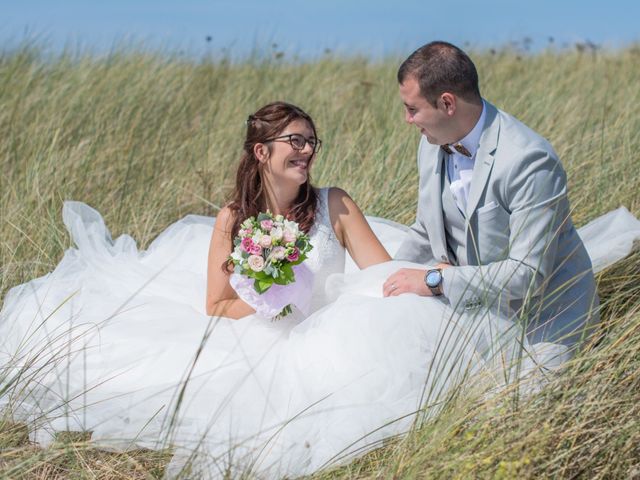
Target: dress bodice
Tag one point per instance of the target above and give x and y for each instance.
(327, 256)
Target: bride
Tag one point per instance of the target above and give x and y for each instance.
(273, 174)
(123, 344)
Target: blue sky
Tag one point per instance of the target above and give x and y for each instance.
(306, 29)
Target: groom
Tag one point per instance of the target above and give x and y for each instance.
(493, 214)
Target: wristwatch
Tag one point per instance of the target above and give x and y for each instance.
(433, 280)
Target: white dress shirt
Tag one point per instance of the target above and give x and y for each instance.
(460, 167)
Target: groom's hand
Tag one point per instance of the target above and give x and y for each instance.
(408, 280)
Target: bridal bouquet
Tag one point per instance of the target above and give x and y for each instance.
(268, 272)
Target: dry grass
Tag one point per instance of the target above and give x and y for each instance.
(148, 138)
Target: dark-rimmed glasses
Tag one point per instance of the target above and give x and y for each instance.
(298, 141)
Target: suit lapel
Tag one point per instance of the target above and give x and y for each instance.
(484, 158)
(434, 222)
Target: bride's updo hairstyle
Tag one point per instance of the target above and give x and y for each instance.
(249, 197)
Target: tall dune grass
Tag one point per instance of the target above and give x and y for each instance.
(147, 138)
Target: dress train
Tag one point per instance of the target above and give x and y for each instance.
(116, 341)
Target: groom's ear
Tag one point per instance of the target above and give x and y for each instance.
(448, 102)
(261, 152)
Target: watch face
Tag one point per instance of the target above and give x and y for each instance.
(433, 278)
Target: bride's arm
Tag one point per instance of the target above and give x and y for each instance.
(222, 299)
(353, 231)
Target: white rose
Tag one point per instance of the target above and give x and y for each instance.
(237, 254)
(293, 226)
(265, 241)
(278, 253)
(276, 234)
(256, 263)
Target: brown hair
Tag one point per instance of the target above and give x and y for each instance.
(248, 198)
(441, 67)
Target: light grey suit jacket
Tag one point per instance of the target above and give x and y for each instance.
(524, 257)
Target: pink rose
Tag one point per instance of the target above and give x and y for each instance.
(288, 236)
(256, 263)
(265, 241)
(293, 256)
(256, 249)
(247, 244)
(266, 225)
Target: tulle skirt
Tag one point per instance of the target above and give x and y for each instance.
(116, 342)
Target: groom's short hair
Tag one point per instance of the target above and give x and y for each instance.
(441, 67)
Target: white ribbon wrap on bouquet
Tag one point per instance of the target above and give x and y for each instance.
(271, 303)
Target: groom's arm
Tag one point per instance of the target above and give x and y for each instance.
(417, 247)
(536, 196)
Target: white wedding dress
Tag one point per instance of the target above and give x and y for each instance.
(117, 342)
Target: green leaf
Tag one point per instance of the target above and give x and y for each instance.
(262, 286)
(287, 275)
(285, 311)
(264, 216)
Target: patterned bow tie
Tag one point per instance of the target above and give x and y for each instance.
(458, 147)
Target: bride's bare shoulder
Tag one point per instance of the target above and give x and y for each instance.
(344, 213)
(339, 200)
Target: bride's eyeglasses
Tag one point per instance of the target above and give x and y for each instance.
(298, 141)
